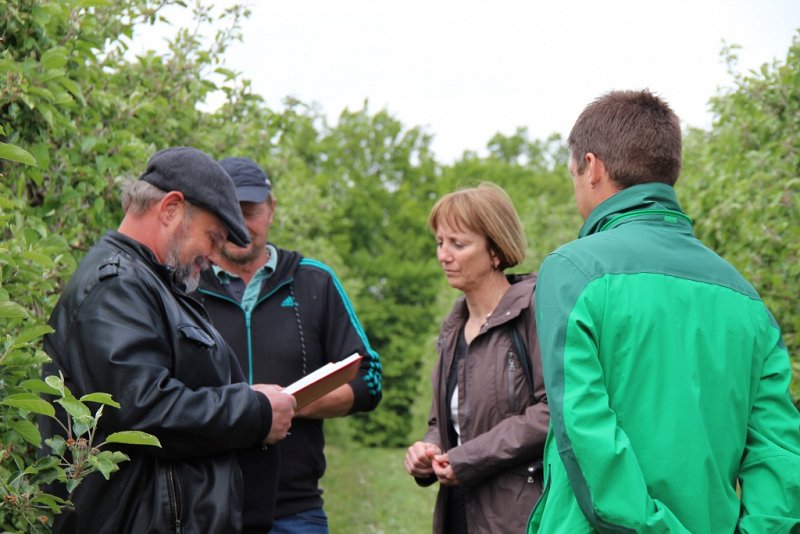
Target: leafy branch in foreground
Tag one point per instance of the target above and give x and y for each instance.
(72, 458)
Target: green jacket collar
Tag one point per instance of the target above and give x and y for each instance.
(644, 199)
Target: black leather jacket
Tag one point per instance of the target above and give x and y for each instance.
(122, 326)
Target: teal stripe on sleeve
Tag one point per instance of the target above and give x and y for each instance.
(373, 378)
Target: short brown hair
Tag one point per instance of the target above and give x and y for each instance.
(634, 133)
(487, 210)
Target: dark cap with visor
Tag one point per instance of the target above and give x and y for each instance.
(203, 182)
(252, 183)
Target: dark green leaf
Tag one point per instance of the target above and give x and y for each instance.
(57, 445)
(30, 334)
(103, 463)
(27, 431)
(12, 310)
(30, 403)
(15, 153)
(75, 408)
(39, 386)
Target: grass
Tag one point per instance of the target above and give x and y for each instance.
(367, 490)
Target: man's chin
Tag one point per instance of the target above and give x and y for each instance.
(189, 275)
(238, 255)
(192, 282)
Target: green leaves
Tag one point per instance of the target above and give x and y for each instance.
(76, 118)
(27, 431)
(76, 409)
(102, 398)
(54, 59)
(30, 403)
(15, 153)
(30, 334)
(81, 430)
(12, 310)
(106, 462)
(133, 437)
(57, 444)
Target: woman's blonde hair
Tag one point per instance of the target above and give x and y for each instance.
(486, 210)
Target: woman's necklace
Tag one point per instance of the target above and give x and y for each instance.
(497, 298)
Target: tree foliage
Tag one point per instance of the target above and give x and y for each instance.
(380, 179)
(69, 101)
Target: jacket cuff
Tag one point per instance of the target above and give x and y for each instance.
(425, 482)
(466, 472)
(265, 409)
(363, 400)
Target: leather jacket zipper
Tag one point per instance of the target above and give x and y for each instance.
(512, 368)
(174, 487)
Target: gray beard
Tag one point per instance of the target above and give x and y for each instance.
(189, 280)
(183, 272)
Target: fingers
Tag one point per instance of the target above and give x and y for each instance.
(440, 464)
(444, 471)
(266, 389)
(283, 406)
(425, 459)
(431, 451)
(419, 458)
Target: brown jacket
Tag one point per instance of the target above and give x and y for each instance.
(502, 437)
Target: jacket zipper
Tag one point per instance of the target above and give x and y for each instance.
(174, 488)
(511, 372)
(512, 367)
(247, 318)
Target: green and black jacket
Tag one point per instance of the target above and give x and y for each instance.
(667, 380)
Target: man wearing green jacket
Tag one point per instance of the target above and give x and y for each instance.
(667, 378)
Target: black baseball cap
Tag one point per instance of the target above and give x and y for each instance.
(252, 183)
(203, 182)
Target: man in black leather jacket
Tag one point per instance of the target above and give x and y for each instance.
(125, 325)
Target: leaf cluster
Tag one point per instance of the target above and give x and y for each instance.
(27, 504)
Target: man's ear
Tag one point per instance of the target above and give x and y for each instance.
(171, 207)
(596, 169)
(599, 179)
(274, 205)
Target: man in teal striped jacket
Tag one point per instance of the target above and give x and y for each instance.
(666, 375)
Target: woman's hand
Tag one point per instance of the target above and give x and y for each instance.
(444, 471)
(419, 459)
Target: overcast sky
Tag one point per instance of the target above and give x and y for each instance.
(467, 69)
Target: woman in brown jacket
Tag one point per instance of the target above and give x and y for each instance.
(489, 414)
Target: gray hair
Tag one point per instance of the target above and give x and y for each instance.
(138, 196)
